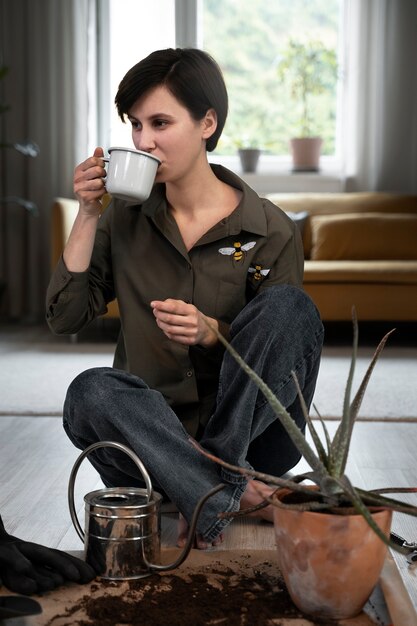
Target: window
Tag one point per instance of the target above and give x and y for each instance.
(248, 39)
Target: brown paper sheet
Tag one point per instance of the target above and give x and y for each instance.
(61, 607)
(398, 601)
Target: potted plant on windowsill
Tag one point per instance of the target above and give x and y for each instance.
(331, 536)
(249, 153)
(307, 70)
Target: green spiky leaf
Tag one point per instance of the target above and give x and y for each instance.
(285, 418)
(333, 492)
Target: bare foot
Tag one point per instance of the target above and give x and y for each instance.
(255, 492)
(200, 543)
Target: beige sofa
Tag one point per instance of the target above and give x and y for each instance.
(360, 249)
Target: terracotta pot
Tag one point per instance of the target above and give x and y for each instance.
(330, 563)
(306, 153)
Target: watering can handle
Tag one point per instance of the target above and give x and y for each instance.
(86, 452)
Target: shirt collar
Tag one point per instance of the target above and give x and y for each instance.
(248, 215)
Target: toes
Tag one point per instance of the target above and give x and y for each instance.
(255, 493)
(181, 540)
(182, 531)
(218, 540)
(200, 542)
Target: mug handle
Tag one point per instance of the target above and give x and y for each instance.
(86, 452)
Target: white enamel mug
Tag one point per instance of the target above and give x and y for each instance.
(130, 173)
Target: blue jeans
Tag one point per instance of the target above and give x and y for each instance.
(279, 331)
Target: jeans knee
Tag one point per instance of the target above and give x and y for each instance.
(284, 311)
(90, 385)
(291, 303)
(85, 395)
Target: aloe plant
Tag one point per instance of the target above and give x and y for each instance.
(334, 493)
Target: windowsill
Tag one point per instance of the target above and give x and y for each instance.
(274, 175)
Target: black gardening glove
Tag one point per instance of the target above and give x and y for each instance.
(29, 568)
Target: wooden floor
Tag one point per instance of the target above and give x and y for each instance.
(36, 459)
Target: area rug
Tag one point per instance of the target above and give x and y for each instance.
(35, 377)
(391, 392)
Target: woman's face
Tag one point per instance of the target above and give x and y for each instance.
(162, 126)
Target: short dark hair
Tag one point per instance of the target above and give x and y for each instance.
(190, 74)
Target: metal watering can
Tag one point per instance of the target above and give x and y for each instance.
(122, 538)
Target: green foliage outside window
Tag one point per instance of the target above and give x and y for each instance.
(309, 71)
(248, 38)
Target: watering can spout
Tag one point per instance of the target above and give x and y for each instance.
(191, 535)
(122, 536)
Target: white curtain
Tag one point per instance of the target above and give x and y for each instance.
(380, 107)
(50, 49)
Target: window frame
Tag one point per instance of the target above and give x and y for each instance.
(188, 33)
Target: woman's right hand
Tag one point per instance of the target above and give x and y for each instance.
(89, 183)
(89, 189)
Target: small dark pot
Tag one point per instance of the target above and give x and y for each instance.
(249, 158)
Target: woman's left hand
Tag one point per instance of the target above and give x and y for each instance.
(184, 323)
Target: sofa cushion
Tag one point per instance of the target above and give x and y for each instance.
(316, 203)
(364, 236)
(356, 272)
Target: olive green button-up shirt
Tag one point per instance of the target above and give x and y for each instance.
(139, 256)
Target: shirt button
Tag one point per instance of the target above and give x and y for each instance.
(189, 373)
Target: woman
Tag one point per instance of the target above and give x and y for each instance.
(203, 248)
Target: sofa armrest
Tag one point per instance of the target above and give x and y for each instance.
(64, 212)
